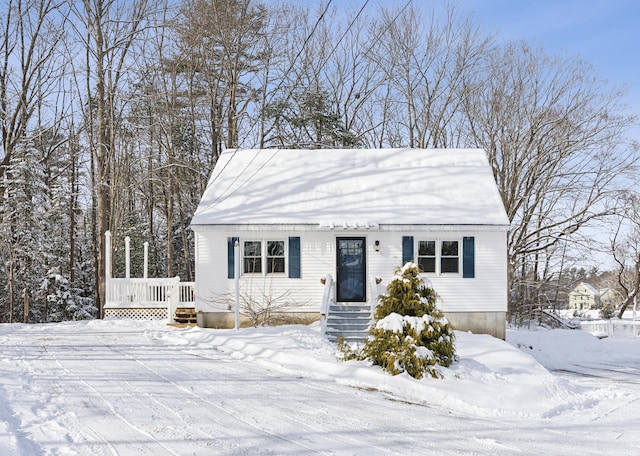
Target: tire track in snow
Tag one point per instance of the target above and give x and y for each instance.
(219, 407)
(19, 443)
(282, 413)
(110, 406)
(351, 432)
(271, 416)
(362, 430)
(294, 417)
(136, 395)
(65, 351)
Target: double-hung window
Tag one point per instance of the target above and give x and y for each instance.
(252, 257)
(263, 257)
(267, 256)
(275, 256)
(439, 257)
(427, 256)
(449, 257)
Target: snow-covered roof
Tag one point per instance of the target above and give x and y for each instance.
(352, 187)
(588, 287)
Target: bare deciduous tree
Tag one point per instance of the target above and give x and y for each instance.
(426, 65)
(30, 31)
(554, 135)
(218, 41)
(109, 31)
(625, 250)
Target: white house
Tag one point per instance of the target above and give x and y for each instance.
(586, 297)
(351, 216)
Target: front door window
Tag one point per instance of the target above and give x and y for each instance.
(351, 271)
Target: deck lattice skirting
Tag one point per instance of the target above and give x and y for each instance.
(135, 313)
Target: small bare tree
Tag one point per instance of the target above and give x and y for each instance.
(261, 306)
(264, 308)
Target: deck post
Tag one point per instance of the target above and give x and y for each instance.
(107, 267)
(146, 260)
(107, 255)
(127, 253)
(173, 298)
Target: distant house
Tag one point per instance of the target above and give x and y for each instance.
(349, 217)
(609, 297)
(583, 297)
(586, 297)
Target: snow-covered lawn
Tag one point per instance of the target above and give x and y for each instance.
(143, 388)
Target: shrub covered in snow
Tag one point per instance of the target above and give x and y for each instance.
(407, 294)
(607, 311)
(410, 334)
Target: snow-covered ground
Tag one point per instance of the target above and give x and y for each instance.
(143, 388)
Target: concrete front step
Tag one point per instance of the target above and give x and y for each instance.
(338, 333)
(347, 308)
(350, 316)
(350, 322)
(349, 326)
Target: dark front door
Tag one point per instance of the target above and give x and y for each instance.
(351, 271)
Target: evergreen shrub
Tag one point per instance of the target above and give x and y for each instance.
(410, 334)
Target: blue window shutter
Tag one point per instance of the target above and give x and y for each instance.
(468, 257)
(230, 256)
(407, 249)
(294, 257)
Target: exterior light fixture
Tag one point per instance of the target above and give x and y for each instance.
(376, 246)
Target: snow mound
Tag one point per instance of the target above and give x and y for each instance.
(490, 378)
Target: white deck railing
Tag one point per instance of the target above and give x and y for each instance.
(612, 328)
(327, 300)
(374, 282)
(186, 294)
(150, 293)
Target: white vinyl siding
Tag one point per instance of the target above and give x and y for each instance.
(486, 292)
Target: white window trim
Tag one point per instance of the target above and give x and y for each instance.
(263, 258)
(439, 241)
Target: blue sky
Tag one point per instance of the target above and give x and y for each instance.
(604, 32)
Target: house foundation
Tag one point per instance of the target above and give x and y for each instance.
(226, 320)
(492, 323)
